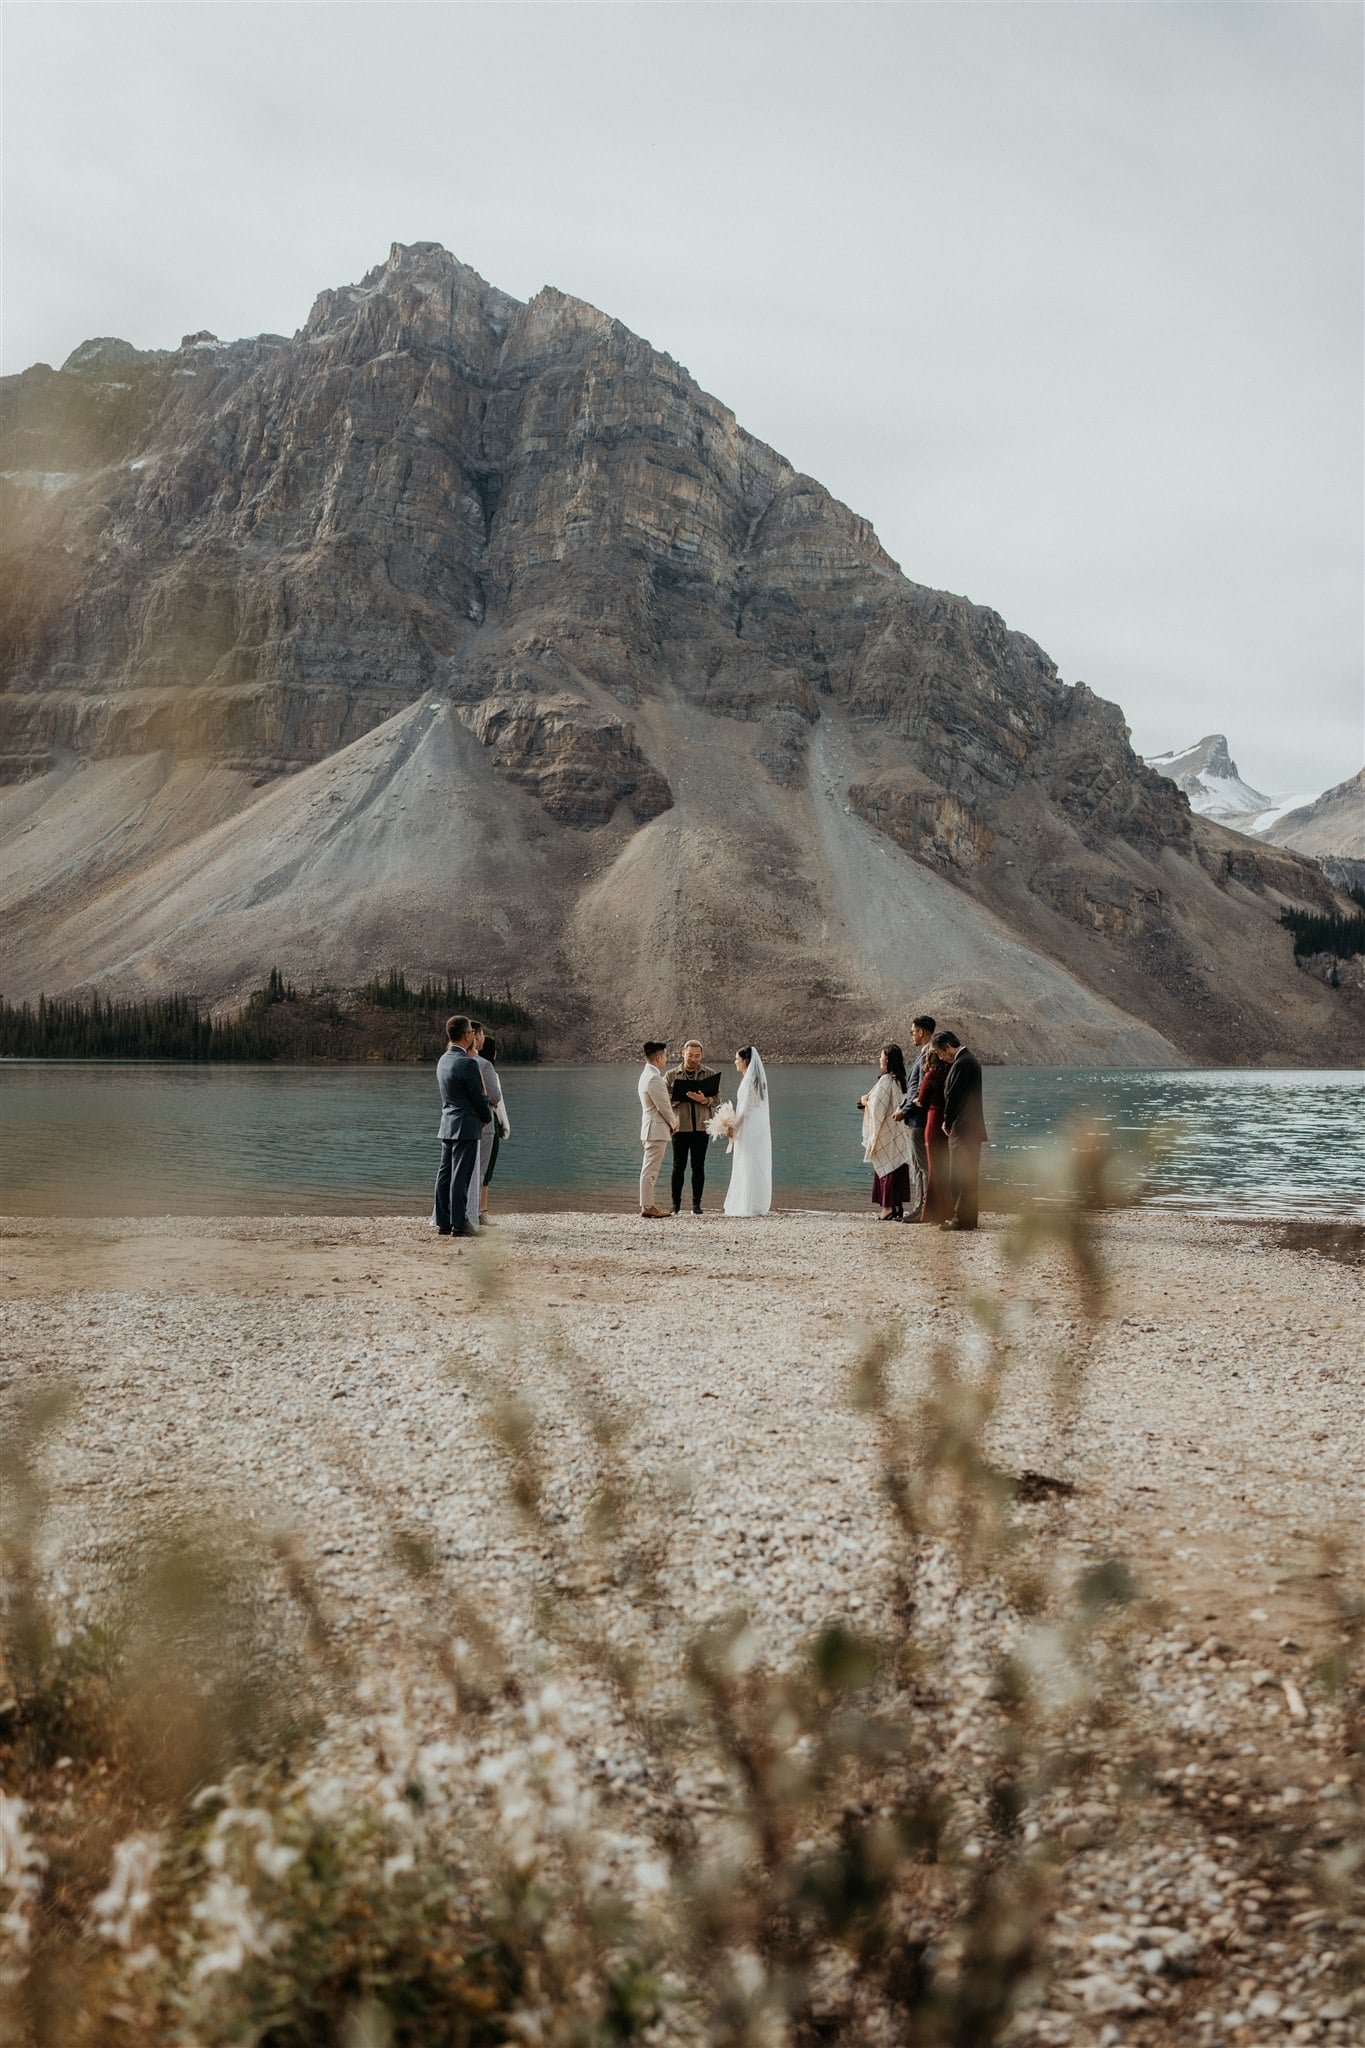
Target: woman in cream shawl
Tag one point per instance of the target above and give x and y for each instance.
(886, 1143)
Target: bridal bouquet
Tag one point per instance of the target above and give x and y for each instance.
(722, 1124)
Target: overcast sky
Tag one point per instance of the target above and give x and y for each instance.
(1066, 298)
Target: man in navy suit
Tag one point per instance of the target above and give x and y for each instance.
(921, 1037)
(965, 1122)
(464, 1112)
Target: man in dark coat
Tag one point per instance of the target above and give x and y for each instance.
(694, 1091)
(464, 1112)
(965, 1122)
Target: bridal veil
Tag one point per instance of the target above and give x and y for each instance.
(750, 1192)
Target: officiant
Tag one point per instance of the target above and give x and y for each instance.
(694, 1091)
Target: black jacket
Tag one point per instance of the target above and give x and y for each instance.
(963, 1116)
(692, 1116)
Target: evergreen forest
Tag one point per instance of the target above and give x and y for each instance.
(386, 1019)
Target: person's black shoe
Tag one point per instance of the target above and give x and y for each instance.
(696, 1211)
(466, 1232)
(954, 1223)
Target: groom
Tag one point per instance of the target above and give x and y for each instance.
(657, 1121)
(921, 1037)
(694, 1092)
(464, 1112)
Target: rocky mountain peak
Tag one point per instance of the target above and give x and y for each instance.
(554, 310)
(568, 668)
(1208, 775)
(1329, 825)
(105, 355)
(1214, 756)
(421, 293)
(1208, 756)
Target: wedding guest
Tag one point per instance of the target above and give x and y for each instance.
(929, 1097)
(464, 1111)
(501, 1127)
(912, 1116)
(657, 1121)
(886, 1143)
(488, 1073)
(965, 1122)
(694, 1091)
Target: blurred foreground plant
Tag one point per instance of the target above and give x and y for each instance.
(215, 1832)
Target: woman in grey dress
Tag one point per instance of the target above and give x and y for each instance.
(501, 1127)
(493, 1090)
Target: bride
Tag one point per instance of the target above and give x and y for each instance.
(750, 1192)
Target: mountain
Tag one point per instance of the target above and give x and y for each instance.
(461, 631)
(1208, 775)
(1331, 826)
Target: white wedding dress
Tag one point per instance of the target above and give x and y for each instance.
(750, 1192)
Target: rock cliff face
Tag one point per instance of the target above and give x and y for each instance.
(620, 706)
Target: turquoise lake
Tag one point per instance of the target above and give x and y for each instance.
(111, 1139)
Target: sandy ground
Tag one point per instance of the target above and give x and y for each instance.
(292, 1368)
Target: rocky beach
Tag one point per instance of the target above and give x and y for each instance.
(1189, 1404)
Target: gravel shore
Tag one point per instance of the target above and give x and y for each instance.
(328, 1374)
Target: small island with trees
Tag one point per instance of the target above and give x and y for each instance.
(386, 1019)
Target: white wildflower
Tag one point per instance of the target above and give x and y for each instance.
(22, 1864)
(326, 1798)
(528, 2027)
(652, 1875)
(232, 1928)
(546, 1705)
(748, 1970)
(492, 1770)
(269, 1856)
(1045, 1657)
(538, 1792)
(394, 1809)
(434, 1765)
(274, 1859)
(740, 1653)
(115, 1912)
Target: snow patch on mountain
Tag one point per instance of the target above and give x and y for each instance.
(1208, 775)
(1282, 807)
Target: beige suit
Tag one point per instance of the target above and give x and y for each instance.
(657, 1125)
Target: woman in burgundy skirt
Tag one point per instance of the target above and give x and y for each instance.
(886, 1143)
